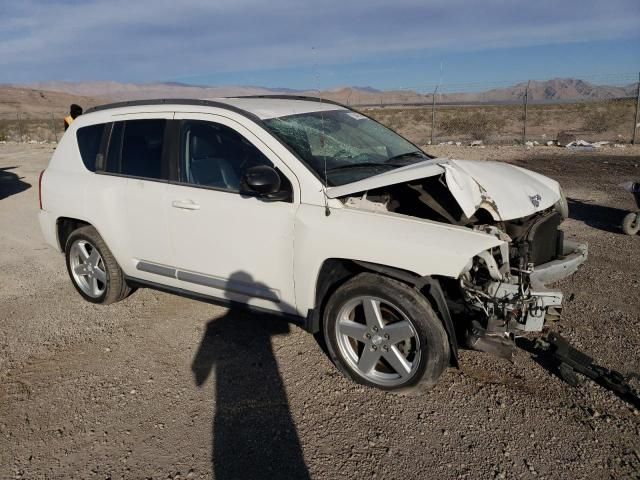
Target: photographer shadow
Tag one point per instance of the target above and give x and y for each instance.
(11, 183)
(254, 435)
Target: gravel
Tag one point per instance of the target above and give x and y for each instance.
(162, 387)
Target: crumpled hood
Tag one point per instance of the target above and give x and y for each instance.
(507, 191)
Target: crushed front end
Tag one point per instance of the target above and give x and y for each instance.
(503, 290)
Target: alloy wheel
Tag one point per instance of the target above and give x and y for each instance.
(88, 268)
(377, 340)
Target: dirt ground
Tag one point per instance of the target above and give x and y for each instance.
(161, 387)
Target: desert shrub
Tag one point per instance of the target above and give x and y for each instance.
(418, 116)
(5, 130)
(599, 122)
(611, 116)
(393, 121)
(477, 125)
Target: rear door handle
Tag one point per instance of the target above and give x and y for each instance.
(185, 204)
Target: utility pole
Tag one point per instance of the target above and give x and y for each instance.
(433, 113)
(635, 123)
(526, 105)
(19, 126)
(53, 128)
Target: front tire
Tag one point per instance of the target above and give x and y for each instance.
(384, 334)
(93, 269)
(631, 223)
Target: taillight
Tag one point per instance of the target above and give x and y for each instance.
(40, 189)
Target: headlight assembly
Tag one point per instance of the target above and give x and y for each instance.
(562, 206)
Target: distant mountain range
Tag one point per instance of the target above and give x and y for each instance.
(555, 90)
(91, 93)
(32, 102)
(128, 91)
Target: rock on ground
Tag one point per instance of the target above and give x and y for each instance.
(163, 387)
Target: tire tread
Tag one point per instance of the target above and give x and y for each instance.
(426, 322)
(117, 287)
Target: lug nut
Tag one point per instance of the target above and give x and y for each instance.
(385, 348)
(386, 336)
(367, 335)
(375, 329)
(373, 347)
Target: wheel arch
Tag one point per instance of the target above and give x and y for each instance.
(65, 226)
(334, 272)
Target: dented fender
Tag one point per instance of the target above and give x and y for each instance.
(423, 247)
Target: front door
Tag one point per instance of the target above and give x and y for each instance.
(227, 245)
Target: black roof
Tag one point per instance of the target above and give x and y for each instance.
(205, 103)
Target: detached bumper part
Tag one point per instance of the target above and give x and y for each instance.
(498, 344)
(548, 303)
(557, 355)
(574, 255)
(504, 299)
(540, 304)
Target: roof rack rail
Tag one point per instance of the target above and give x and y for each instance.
(171, 101)
(206, 103)
(293, 97)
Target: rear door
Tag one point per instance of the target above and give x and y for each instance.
(137, 154)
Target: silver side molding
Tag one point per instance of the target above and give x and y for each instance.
(249, 289)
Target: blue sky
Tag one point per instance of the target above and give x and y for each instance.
(319, 44)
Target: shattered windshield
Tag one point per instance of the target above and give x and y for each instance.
(343, 146)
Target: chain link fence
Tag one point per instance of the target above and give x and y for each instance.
(491, 113)
(34, 127)
(526, 112)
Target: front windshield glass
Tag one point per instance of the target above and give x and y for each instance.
(343, 146)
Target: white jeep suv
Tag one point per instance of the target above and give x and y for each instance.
(305, 208)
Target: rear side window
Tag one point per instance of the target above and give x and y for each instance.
(89, 141)
(135, 149)
(115, 148)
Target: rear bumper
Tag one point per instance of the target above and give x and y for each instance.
(49, 229)
(574, 255)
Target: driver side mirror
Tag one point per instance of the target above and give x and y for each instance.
(263, 181)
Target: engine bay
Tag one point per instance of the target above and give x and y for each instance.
(495, 296)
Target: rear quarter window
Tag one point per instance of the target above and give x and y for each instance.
(135, 149)
(89, 141)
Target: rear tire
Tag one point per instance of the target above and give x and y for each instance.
(631, 223)
(384, 334)
(93, 269)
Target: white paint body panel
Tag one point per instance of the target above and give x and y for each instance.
(281, 246)
(428, 168)
(420, 246)
(509, 188)
(236, 237)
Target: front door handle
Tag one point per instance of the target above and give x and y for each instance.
(185, 204)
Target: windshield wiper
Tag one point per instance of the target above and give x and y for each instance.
(359, 165)
(395, 158)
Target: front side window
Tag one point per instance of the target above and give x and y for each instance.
(135, 149)
(89, 141)
(342, 146)
(216, 156)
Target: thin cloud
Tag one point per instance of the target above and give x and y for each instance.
(151, 39)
